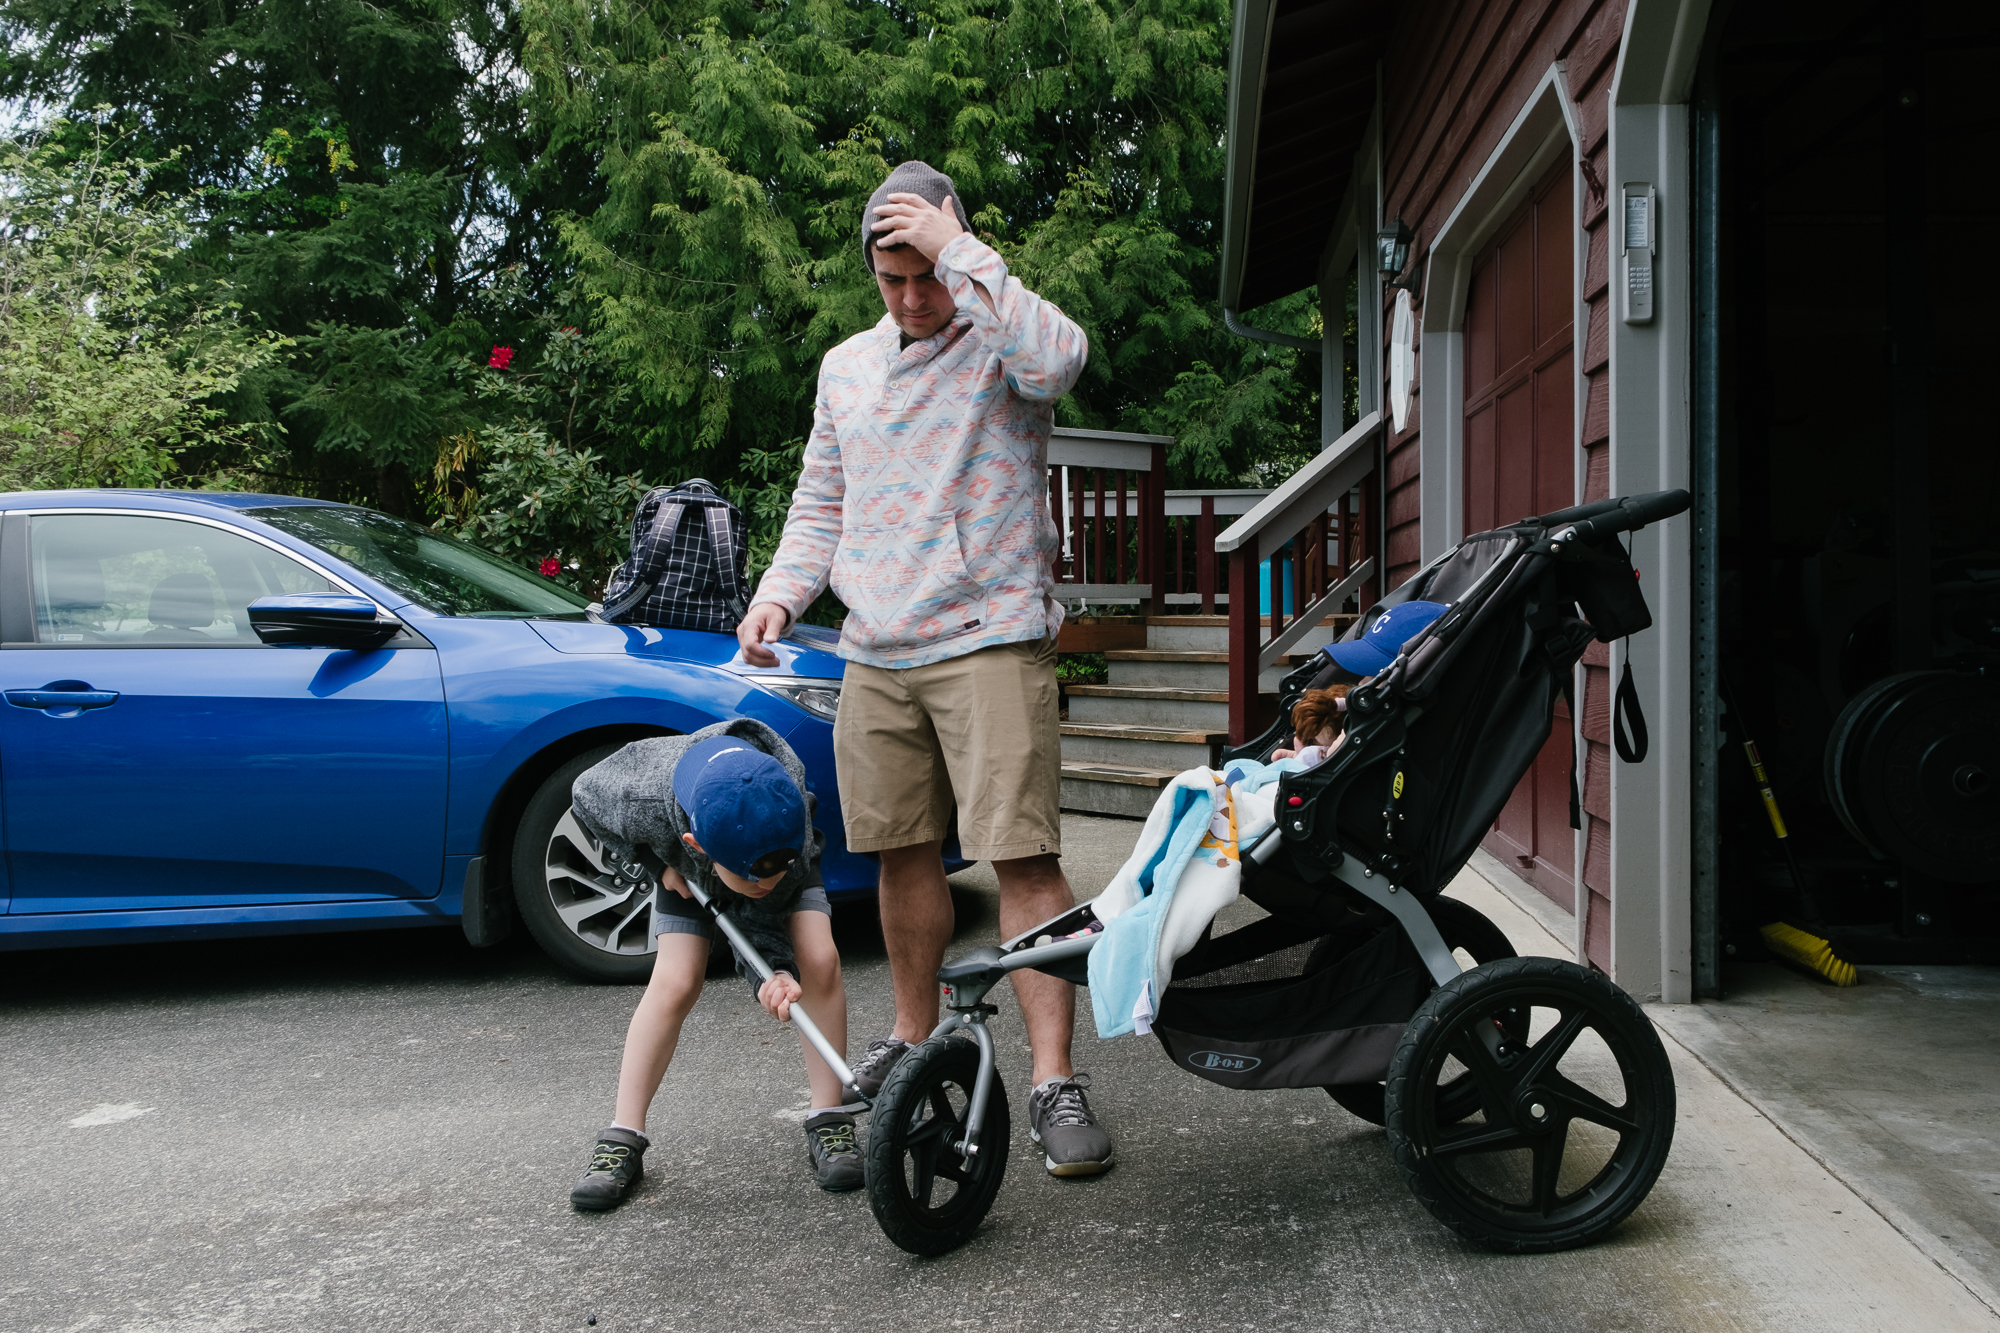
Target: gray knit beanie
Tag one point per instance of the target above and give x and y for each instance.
(918, 178)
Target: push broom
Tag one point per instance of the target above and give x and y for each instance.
(1789, 942)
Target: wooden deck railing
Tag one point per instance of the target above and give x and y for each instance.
(1317, 503)
(1196, 575)
(1197, 579)
(1099, 480)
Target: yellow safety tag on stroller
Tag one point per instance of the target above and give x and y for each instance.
(1397, 790)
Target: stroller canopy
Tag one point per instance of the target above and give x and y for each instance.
(1438, 741)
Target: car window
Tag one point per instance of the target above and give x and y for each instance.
(137, 579)
(439, 573)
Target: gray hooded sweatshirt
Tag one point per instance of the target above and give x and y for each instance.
(627, 801)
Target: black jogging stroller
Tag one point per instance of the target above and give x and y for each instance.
(1528, 1101)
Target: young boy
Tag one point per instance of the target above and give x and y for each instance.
(726, 806)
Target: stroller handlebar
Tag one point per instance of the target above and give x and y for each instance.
(1628, 514)
(1579, 513)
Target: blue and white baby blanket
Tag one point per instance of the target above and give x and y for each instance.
(1185, 869)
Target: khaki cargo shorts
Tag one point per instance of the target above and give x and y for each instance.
(978, 731)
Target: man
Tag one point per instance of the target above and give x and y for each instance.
(924, 501)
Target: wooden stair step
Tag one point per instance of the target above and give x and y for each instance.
(1132, 777)
(1338, 620)
(1164, 735)
(1171, 655)
(1161, 693)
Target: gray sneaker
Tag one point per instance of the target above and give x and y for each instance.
(831, 1151)
(871, 1071)
(616, 1165)
(1060, 1120)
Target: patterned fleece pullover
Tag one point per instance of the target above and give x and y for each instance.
(924, 499)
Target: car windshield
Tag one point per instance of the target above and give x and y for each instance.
(437, 572)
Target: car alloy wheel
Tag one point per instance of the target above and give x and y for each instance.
(605, 905)
(590, 914)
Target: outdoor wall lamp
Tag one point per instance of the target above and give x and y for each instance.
(1392, 249)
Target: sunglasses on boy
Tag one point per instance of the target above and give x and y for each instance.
(773, 863)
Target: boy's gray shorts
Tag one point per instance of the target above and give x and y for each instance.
(675, 915)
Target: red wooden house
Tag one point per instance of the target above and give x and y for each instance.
(1653, 244)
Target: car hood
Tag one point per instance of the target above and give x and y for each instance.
(807, 650)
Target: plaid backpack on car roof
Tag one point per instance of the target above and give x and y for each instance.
(687, 567)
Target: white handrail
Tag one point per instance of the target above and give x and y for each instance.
(1311, 490)
(1230, 503)
(1180, 504)
(1071, 447)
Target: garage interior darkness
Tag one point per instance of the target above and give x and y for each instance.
(1845, 294)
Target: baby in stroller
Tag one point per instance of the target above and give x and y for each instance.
(1322, 715)
(1528, 1101)
(1319, 720)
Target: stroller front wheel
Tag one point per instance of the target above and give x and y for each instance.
(927, 1195)
(1574, 1122)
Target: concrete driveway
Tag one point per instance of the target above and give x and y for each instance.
(378, 1132)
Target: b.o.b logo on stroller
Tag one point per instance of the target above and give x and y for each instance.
(1223, 1063)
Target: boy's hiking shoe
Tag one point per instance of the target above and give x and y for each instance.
(616, 1164)
(871, 1071)
(1060, 1120)
(831, 1152)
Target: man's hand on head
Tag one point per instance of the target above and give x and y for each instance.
(762, 624)
(911, 219)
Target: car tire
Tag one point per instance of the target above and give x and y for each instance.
(593, 920)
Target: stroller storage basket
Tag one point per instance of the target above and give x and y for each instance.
(1338, 1023)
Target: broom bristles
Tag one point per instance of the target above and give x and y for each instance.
(1808, 951)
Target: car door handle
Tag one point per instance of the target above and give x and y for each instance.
(62, 699)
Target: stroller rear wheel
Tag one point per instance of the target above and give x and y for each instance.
(1573, 1124)
(1466, 931)
(927, 1195)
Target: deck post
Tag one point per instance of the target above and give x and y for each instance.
(1369, 528)
(1244, 625)
(1097, 531)
(1056, 514)
(1119, 544)
(1153, 521)
(1205, 558)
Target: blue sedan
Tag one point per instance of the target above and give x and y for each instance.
(251, 714)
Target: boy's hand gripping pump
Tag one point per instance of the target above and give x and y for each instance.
(807, 1028)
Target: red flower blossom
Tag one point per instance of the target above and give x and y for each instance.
(551, 567)
(501, 356)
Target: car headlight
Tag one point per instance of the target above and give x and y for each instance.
(816, 695)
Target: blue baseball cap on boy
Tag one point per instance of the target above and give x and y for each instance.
(1376, 649)
(740, 802)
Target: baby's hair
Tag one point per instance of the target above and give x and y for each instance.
(1320, 710)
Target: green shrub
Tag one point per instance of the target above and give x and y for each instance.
(112, 349)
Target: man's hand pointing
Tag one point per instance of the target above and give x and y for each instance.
(763, 624)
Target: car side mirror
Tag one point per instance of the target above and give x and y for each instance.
(320, 620)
